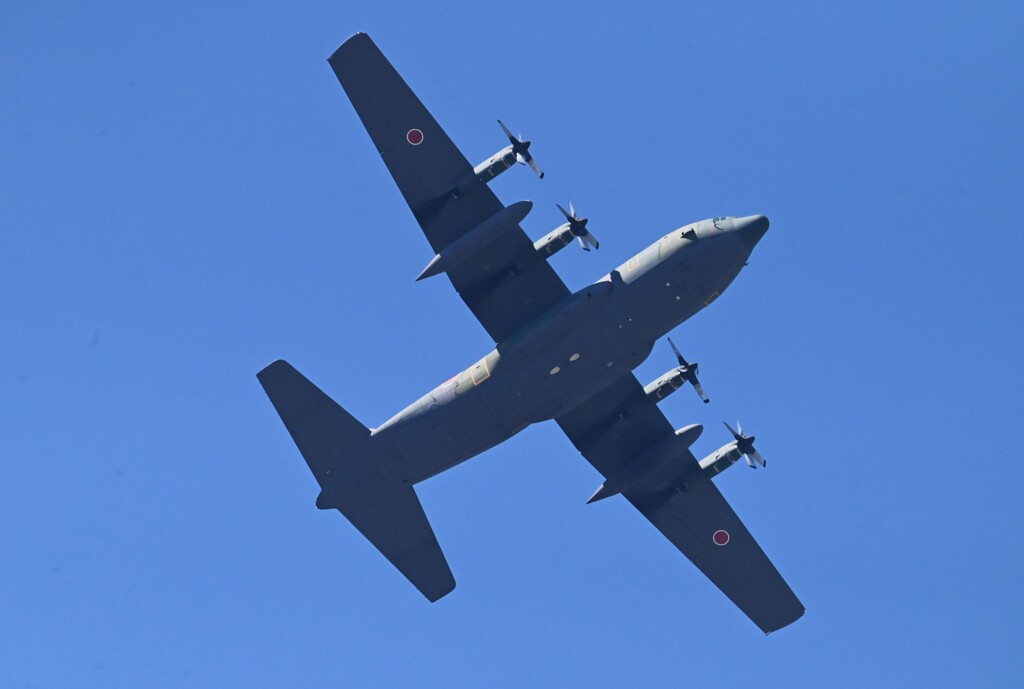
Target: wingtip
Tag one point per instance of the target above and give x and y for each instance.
(796, 617)
(355, 39)
(271, 367)
(435, 596)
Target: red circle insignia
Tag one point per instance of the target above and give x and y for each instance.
(720, 537)
(414, 136)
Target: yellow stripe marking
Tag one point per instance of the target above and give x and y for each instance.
(486, 372)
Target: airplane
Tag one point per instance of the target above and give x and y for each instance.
(561, 355)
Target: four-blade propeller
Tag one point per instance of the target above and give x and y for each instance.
(522, 150)
(689, 372)
(745, 444)
(578, 226)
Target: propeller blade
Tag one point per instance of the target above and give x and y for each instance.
(679, 357)
(700, 391)
(739, 427)
(521, 149)
(758, 458)
(734, 433)
(750, 462)
(578, 226)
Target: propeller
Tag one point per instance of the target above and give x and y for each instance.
(521, 149)
(745, 444)
(689, 372)
(578, 226)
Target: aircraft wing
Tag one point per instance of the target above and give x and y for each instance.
(620, 423)
(426, 165)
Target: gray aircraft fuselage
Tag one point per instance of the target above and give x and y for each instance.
(575, 349)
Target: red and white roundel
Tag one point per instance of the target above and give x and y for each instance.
(414, 136)
(721, 537)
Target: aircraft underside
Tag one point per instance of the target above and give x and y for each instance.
(558, 355)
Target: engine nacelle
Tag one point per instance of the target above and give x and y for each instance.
(720, 460)
(485, 171)
(545, 248)
(555, 241)
(495, 165)
(665, 385)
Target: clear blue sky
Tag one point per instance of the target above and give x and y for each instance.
(187, 195)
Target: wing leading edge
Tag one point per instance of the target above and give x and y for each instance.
(426, 165)
(618, 425)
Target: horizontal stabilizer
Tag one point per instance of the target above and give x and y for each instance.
(398, 528)
(351, 471)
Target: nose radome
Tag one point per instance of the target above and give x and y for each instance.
(751, 228)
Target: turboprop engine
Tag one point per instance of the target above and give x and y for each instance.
(668, 383)
(727, 455)
(558, 239)
(562, 236)
(518, 151)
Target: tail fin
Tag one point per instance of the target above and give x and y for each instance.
(349, 469)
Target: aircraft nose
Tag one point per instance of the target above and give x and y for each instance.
(751, 228)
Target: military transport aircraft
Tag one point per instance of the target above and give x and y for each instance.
(558, 355)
